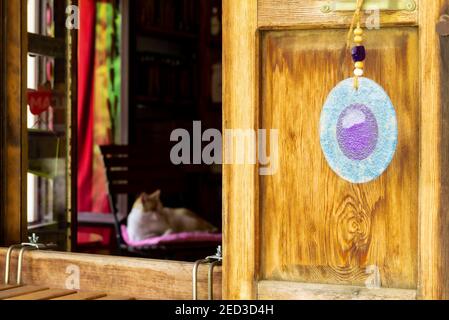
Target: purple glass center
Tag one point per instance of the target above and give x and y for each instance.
(357, 132)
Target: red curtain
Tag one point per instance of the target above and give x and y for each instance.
(86, 62)
(86, 123)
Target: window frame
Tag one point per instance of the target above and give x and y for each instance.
(13, 147)
(14, 128)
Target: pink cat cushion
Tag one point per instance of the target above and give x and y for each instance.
(172, 238)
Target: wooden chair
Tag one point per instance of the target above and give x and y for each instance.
(131, 171)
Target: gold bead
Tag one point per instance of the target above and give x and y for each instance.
(358, 31)
(359, 64)
(358, 39)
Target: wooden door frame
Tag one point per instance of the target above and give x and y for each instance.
(242, 21)
(433, 282)
(240, 182)
(13, 148)
(13, 123)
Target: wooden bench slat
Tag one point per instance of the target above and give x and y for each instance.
(4, 287)
(82, 296)
(44, 295)
(115, 298)
(15, 292)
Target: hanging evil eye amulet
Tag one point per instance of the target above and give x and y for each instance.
(358, 125)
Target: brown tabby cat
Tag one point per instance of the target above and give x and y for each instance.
(149, 218)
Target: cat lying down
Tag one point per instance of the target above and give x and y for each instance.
(149, 218)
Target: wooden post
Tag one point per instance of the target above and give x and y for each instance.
(13, 153)
(240, 182)
(433, 273)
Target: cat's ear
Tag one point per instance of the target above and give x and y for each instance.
(157, 193)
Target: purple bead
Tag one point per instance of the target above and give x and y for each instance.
(358, 53)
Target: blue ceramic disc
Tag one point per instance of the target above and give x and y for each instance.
(358, 130)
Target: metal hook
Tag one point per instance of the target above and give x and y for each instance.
(210, 285)
(213, 261)
(195, 277)
(8, 261)
(20, 260)
(28, 246)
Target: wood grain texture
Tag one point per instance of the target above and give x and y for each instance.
(316, 227)
(114, 298)
(240, 204)
(434, 159)
(20, 291)
(306, 14)
(81, 296)
(4, 287)
(276, 290)
(14, 152)
(116, 276)
(43, 295)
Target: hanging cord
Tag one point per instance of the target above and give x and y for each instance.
(356, 21)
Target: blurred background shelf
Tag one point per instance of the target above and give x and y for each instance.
(167, 34)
